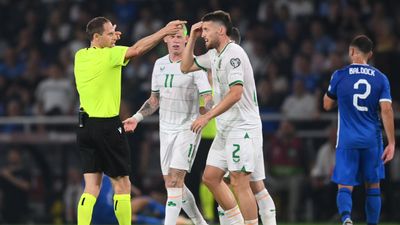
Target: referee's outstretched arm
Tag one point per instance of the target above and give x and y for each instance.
(147, 43)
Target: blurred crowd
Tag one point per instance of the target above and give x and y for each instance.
(294, 47)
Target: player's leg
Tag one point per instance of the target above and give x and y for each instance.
(344, 202)
(190, 207)
(373, 172)
(240, 182)
(346, 174)
(266, 206)
(88, 198)
(242, 149)
(214, 172)
(213, 179)
(372, 203)
(221, 212)
(173, 178)
(179, 150)
(191, 142)
(174, 185)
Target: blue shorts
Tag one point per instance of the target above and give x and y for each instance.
(357, 166)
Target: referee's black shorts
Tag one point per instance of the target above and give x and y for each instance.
(104, 147)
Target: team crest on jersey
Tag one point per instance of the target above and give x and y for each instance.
(235, 62)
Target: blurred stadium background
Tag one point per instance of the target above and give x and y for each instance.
(294, 46)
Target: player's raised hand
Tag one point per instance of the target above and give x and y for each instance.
(196, 29)
(130, 124)
(388, 153)
(199, 124)
(174, 27)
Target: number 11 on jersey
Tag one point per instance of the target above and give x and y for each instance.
(168, 80)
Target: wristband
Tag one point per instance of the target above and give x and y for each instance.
(138, 116)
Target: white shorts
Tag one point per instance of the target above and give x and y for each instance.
(259, 169)
(239, 151)
(178, 150)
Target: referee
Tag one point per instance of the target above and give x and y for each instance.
(101, 138)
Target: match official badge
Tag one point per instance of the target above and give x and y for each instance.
(235, 62)
(120, 130)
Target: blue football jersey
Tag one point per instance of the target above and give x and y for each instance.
(358, 89)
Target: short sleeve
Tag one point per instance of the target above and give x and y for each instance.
(117, 56)
(154, 84)
(385, 93)
(203, 61)
(201, 81)
(235, 70)
(332, 89)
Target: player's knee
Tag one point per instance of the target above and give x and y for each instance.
(257, 186)
(175, 179)
(350, 188)
(239, 181)
(209, 180)
(172, 183)
(372, 185)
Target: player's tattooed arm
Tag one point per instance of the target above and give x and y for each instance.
(151, 105)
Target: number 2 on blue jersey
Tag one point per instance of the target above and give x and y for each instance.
(361, 96)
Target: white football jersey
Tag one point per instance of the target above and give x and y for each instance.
(179, 94)
(232, 66)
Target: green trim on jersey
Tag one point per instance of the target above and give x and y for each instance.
(173, 62)
(255, 98)
(98, 79)
(197, 63)
(205, 92)
(155, 91)
(236, 82)
(224, 48)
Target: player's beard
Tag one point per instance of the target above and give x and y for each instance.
(212, 44)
